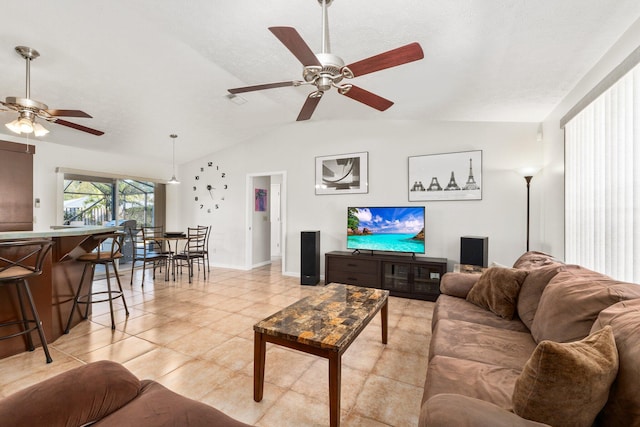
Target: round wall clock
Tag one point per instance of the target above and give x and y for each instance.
(209, 189)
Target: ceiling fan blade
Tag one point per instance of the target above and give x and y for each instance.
(392, 58)
(78, 127)
(10, 107)
(367, 98)
(263, 86)
(309, 106)
(294, 42)
(69, 113)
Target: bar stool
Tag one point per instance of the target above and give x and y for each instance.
(106, 258)
(30, 255)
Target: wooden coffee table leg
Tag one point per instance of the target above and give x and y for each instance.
(384, 313)
(259, 348)
(335, 375)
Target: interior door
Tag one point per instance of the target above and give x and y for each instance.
(276, 221)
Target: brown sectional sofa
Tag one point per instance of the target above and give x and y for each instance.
(476, 357)
(106, 394)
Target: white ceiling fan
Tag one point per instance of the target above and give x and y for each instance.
(326, 70)
(29, 109)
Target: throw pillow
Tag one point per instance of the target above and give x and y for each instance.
(531, 291)
(567, 384)
(623, 406)
(497, 290)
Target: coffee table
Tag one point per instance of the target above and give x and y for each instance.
(324, 325)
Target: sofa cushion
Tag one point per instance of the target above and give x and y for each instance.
(567, 383)
(534, 259)
(572, 301)
(73, 398)
(157, 406)
(443, 410)
(481, 343)
(623, 406)
(454, 308)
(531, 291)
(458, 284)
(483, 381)
(497, 290)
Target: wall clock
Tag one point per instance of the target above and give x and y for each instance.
(209, 188)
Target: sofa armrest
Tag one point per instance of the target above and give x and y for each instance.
(157, 406)
(445, 410)
(458, 284)
(73, 398)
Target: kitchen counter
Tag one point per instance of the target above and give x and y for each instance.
(58, 231)
(54, 289)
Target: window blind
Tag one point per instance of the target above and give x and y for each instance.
(602, 182)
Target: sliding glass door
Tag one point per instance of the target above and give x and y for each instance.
(90, 200)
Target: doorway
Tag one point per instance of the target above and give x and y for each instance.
(266, 219)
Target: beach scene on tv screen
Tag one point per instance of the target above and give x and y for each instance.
(397, 229)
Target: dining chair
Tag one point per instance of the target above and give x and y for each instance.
(206, 247)
(27, 262)
(144, 252)
(158, 246)
(193, 251)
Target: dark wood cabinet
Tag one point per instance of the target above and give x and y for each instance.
(402, 276)
(16, 186)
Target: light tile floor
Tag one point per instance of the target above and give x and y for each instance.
(197, 340)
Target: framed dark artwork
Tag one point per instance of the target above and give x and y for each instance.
(342, 174)
(447, 176)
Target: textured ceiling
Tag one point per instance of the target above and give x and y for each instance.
(147, 68)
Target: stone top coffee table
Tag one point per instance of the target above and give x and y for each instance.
(324, 325)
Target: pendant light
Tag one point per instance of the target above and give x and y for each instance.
(173, 179)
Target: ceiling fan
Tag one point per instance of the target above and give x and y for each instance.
(326, 70)
(29, 109)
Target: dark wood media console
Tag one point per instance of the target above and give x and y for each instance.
(403, 276)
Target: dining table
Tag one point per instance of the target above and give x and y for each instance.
(170, 236)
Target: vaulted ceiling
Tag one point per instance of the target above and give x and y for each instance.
(146, 68)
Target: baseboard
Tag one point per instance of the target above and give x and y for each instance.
(261, 264)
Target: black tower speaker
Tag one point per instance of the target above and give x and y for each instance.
(474, 250)
(309, 257)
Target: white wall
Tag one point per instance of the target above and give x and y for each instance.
(501, 214)
(551, 223)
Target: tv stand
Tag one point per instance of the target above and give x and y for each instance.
(402, 275)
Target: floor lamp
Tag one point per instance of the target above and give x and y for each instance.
(528, 174)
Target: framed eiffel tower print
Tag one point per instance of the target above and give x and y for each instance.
(446, 176)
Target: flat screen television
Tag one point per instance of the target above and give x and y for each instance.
(390, 229)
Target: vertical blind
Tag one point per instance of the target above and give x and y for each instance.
(602, 182)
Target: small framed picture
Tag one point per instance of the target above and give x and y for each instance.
(448, 176)
(342, 174)
(260, 200)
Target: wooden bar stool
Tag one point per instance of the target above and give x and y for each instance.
(29, 256)
(106, 258)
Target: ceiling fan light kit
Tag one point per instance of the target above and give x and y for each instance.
(26, 125)
(325, 70)
(29, 110)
